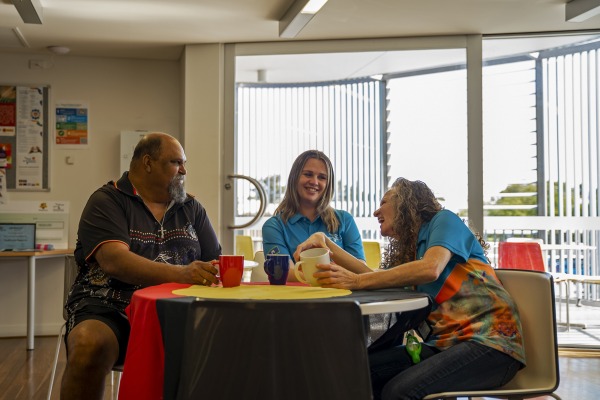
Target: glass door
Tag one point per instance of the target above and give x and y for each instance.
(379, 110)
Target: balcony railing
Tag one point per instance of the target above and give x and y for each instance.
(569, 245)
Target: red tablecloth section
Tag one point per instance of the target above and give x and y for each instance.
(145, 330)
(143, 373)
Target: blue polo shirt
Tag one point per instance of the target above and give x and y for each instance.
(284, 238)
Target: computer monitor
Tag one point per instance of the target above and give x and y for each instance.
(17, 236)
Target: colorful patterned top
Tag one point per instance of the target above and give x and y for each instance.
(469, 302)
(115, 213)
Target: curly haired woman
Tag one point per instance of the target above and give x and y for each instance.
(475, 340)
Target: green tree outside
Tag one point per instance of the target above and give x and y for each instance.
(516, 200)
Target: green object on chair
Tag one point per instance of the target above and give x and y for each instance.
(413, 347)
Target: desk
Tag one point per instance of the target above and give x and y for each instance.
(31, 257)
(144, 371)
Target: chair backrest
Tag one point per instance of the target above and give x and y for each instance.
(372, 253)
(70, 275)
(274, 350)
(533, 292)
(521, 255)
(244, 246)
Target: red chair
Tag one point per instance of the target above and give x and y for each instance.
(520, 255)
(528, 256)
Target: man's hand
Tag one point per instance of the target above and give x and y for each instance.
(201, 273)
(117, 261)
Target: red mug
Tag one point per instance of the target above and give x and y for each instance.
(231, 269)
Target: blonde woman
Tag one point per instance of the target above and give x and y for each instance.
(305, 209)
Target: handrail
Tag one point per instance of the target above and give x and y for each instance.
(261, 194)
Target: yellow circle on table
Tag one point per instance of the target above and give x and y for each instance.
(262, 292)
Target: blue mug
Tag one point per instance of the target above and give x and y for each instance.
(277, 267)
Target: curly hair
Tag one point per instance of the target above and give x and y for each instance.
(291, 200)
(415, 204)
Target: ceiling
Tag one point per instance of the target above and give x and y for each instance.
(159, 29)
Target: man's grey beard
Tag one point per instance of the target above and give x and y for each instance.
(177, 189)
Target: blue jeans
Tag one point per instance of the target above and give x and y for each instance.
(465, 366)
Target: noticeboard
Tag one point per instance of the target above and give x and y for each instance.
(24, 137)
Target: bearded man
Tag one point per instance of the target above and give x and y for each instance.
(141, 230)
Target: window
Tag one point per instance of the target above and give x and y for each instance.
(342, 119)
(374, 127)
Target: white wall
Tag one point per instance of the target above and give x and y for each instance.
(123, 94)
(202, 67)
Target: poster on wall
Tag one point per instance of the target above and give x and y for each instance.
(72, 125)
(28, 155)
(8, 110)
(24, 136)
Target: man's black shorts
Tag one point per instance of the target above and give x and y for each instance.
(116, 320)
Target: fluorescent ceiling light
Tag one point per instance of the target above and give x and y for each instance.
(29, 10)
(297, 16)
(581, 10)
(313, 6)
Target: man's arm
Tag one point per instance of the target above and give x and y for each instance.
(207, 237)
(116, 260)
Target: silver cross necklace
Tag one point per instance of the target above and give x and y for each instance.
(162, 221)
(162, 230)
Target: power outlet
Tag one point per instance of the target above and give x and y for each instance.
(39, 64)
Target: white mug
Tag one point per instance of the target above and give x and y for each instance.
(308, 261)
